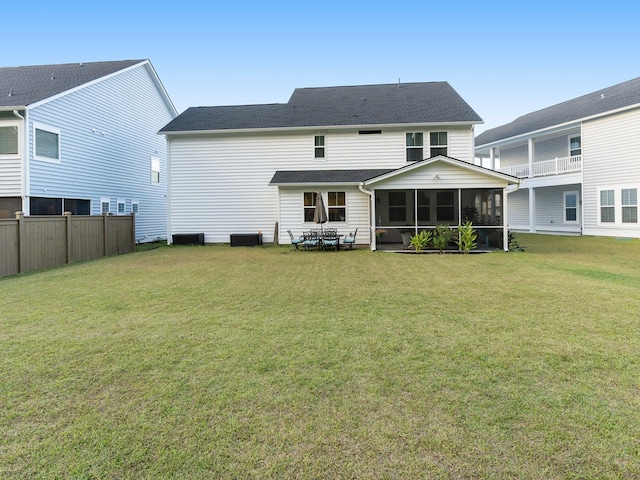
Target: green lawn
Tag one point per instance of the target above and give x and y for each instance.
(219, 362)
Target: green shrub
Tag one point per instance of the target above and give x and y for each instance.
(466, 237)
(421, 240)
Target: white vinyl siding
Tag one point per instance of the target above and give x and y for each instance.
(109, 131)
(518, 209)
(611, 161)
(514, 156)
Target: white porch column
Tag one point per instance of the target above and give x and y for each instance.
(372, 228)
(492, 158)
(532, 210)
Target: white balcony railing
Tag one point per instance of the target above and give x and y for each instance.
(557, 166)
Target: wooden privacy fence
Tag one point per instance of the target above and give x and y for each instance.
(34, 243)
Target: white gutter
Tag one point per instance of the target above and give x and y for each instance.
(25, 161)
(372, 219)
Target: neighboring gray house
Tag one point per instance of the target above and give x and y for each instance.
(397, 157)
(579, 162)
(83, 138)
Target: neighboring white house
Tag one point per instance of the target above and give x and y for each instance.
(83, 138)
(397, 157)
(579, 162)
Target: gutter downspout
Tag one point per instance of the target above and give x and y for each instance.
(25, 162)
(372, 238)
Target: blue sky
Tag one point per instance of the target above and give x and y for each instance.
(504, 58)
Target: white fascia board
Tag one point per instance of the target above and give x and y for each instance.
(159, 86)
(85, 85)
(316, 128)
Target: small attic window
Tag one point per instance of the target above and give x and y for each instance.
(369, 132)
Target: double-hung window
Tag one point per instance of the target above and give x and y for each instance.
(155, 170)
(105, 205)
(629, 205)
(337, 206)
(438, 143)
(318, 151)
(309, 205)
(47, 143)
(575, 146)
(9, 140)
(607, 206)
(415, 144)
(570, 207)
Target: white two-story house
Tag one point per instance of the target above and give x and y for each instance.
(579, 163)
(396, 158)
(82, 138)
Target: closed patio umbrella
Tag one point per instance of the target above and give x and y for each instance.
(320, 213)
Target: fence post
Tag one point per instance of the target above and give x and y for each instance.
(21, 242)
(104, 234)
(133, 232)
(68, 224)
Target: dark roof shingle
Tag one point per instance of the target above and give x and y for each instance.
(325, 176)
(612, 98)
(403, 103)
(23, 86)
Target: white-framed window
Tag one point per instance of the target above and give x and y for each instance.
(607, 206)
(155, 169)
(415, 144)
(135, 206)
(438, 143)
(337, 204)
(122, 206)
(575, 146)
(105, 205)
(309, 205)
(9, 139)
(571, 207)
(629, 205)
(319, 148)
(46, 143)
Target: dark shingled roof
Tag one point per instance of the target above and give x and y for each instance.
(325, 176)
(612, 98)
(23, 86)
(402, 103)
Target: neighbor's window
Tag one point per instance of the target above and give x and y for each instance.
(415, 142)
(319, 146)
(438, 143)
(575, 146)
(9, 140)
(629, 205)
(571, 206)
(121, 207)
(607, 206)
(77, 206)
(105, 205)
(337, 206)
(397, 206)
(445, 206)
(155, 170)
(309, 205)
(45, 206)
(47, 143)
(135, 206)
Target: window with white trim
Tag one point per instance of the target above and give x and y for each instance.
(318, 150)
(575, 146)
(607, 206)
(337, 203)
(155, 169)
(135, 206)
(105, 205)
(438, 143)
(46, 143)
(9, 140)
(309, 206)
(415, 144)
(629, 205)
(570, 207)
(121, 207)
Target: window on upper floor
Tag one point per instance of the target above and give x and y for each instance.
(155, 169)
(607, 206)
(337, 203)
(9, 140)
(575, 146)
(415, 144)
(438, 143)
(47, 143)
(318, 151)
(629, 205)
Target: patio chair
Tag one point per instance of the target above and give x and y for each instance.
(350, 239)
(295, 240)
(331, 240)
(311, 240)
